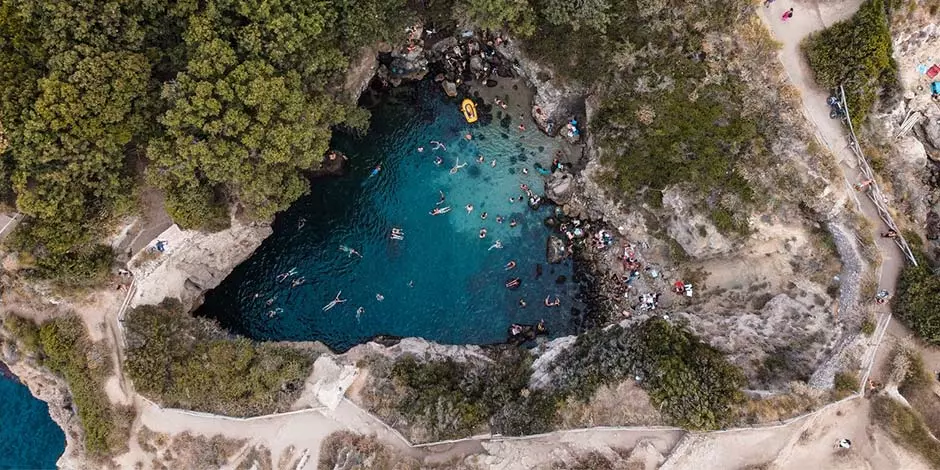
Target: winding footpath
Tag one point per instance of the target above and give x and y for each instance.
(304, 430)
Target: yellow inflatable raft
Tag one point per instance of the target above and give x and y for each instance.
(469, 110)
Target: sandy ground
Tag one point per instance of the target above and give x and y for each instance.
(808, 443)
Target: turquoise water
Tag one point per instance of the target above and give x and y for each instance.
(29, 439)
(441, 281)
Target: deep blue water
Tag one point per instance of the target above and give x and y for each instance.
(29, 439)
(442, 281)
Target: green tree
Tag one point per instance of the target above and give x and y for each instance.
(514, 15)
(917, 302)
(857, 54)
(591, 14)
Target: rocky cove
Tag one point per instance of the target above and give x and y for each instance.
(198, 262)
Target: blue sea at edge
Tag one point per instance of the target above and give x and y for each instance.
(441, 282)
(29, 439)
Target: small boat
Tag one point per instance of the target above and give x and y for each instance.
(469, 110)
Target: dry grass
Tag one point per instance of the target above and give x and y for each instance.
(621, 405)
(347, 450)
(187, 450)
(257, 458)
(801, 399)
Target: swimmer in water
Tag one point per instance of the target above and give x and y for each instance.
(522, 303)
(274, 312)
(438, 161)
(349, 251)
(437, 211)
(300, 280)
(525, 171)
(457, 167)
(438, 145)
(270, 301)
(512, 199)
(524, 187)
(513, 223)
(499, 219)
(521, 127)
(411, 283)
(482, 233)
(510, 265)
(483, 215)
(469, 136)
(469, 208)
(333, 302)
(441, 200)
(420, 149)
(376, 170)
(481, 158)
(553, 303)
(493, 163)
(301, 222)
(282, 276)
(379, 297)
(498, 245)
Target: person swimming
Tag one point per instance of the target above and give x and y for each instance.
(510, 265)
(438, 161)
(524, 187)
(513, 223)
(282, 276)
(349, 251)
(499, 219)
(296, 282)
(468, 136)
(512, 199)
(553, 303)
(525, 171)
(272, 313)
(438, 145)
(420, 149)
(439, 211)
(514, 283)
(270, 301)
(457, 167)
(469, 208)
(482, 233)
(481, 158)
(301, 222)
(498, 245)
(379, 297)
(483, 215)
(493, 163)
(376, 170)
(336, 300)
(522, 303)
(441, 200)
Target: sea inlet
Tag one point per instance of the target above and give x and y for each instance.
(29, 439)
(411, 273)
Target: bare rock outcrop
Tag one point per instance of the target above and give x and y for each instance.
(193, 262)
(695, 233)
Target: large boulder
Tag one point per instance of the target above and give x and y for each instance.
(559, 187)
(697, 235)
(555, 250)
(449, 87)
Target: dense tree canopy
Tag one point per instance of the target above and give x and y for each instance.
(917, 302)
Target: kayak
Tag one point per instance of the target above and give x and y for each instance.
(469, 110)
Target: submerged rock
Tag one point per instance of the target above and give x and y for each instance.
(555, 250)
(450, 88)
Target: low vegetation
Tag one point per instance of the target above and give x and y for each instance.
(856, 53)
(916, 384)
(62, 345)
(181, 361)
(347, 450)
(691, 384)
(917, 303)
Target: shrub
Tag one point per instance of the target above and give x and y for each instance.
(857, 54)
(869, 325)
(689, 381)
(26, 332)
(917, 303)
(846, 383)
(182, 361)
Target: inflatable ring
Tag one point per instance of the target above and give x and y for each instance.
(469, 110)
